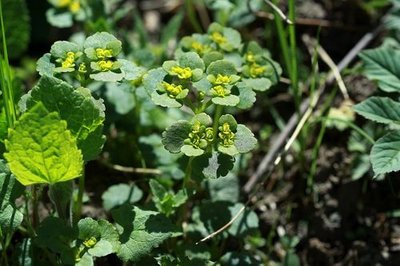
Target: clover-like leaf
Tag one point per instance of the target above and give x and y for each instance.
(379, 109)
(140, 231)
(101, 40)
(40, 149)
(119, 194)
(174, 136)
(385, 154)
(83, 113)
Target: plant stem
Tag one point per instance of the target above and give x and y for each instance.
(218, 112)
(6, 78)
(188, 173)
(78, 206)
(293, 55)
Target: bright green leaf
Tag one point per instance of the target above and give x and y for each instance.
(379, 109)
(40, 149)
(385, 154)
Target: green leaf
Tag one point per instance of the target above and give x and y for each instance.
(166, 201)
(239, 259)
(247, 222)
(141, 231)
(121, 96)
(222, 67)
(119, 194)
(60, 48)
(379, 109)
(17, 26)
(59, 20)
(108, 76)
(102, 40)
(99, 238)
(83, 113)
(244, 139)
(230, 100)
(131, 70)
(382, 65)
(247, 96)
(224, 188)
(165, 101)
(191, 151)
(173, 137)
(40, 149)
(213, 165)
(258, 84)
(44, 65)
(10, 218)
(10, 188)
(385, 154)
(153, 78)
(191, 60)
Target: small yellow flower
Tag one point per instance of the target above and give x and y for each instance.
(103, 53)
(250, 57)
(222, 79)
(219, 91)
(182, 73)
(199, 48)
(89, 243)
(62, 3)
(226, 135)
(82, 68)
(69, 61)
(172, 89)
(256, 70)
(218, 38)
(105, 65)
(75, 6)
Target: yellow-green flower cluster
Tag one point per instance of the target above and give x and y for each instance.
(172, 90)
(69, 61)
(225, 135)
(74, 6)
(200, 136)
(218, 38)
(220, 84)
(182, 72)
(105, 64)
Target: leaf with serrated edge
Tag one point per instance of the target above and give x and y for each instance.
(385, 154)
(379, 109)
(40, 149)
(141, 231)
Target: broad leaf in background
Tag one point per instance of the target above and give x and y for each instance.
(385, 154)
(17, 26)
(140, 231)
(83, 113)
(382, 66)
(166, 201)
(380, 109)
(119, 194)
(40, 148)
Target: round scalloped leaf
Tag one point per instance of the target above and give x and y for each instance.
(84, 114)
(230, 150)
(203, 85)
(131, 70)
(385, 154)
(174, 136)
(258, 84)
(153, 78)
(165, 101)
(40, 149)
(60, 48)
(59, 20)
(222, 67)
(108, 76)
(246, 95)
(212, 56)
(119, 194)
(191, 60)
(230, 100)
(244, 139)
(203, 118)
(191, 151)
(228, 119)
(103, 40)
(44, 65)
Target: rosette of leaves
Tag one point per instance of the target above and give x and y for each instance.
(259, 71)
(234, 138)
(381, 66)
(96, 60)
(63, 12)
(225, 39)
(170, 85)
(221, 77)
(198, 43)
(192, 138)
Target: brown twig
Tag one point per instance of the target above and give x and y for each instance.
(131, 170)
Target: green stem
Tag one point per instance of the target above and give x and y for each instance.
(78, 207)
(218, 112)
(6, 78)
(293, 55)
(188, 173)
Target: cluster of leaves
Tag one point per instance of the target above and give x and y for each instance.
(381, 65)
(211, 71)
